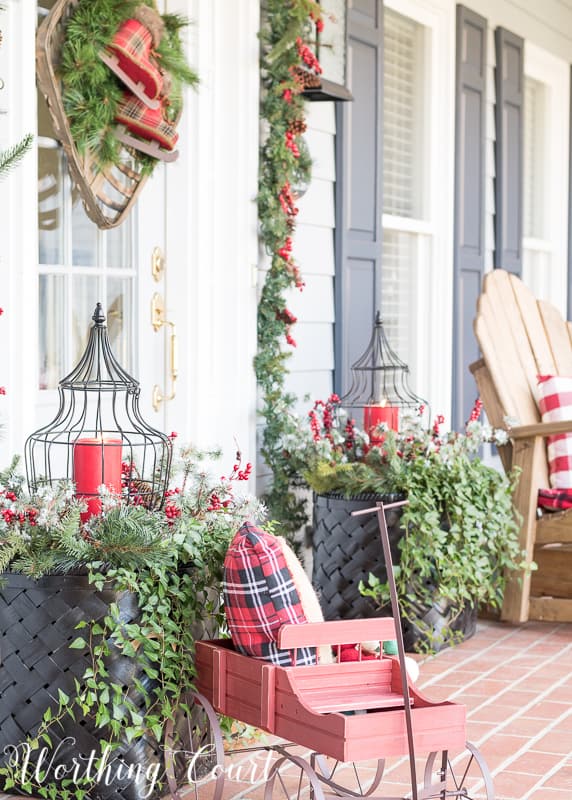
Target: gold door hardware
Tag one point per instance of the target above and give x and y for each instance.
(158, 321)
(157, 264)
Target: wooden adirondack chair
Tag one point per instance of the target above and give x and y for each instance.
(521, 338)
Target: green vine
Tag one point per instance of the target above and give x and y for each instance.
(284, 164)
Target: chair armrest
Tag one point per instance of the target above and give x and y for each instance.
(314, 634)
(540, 429)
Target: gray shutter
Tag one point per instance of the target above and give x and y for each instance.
(359, 157)
(509, 120)
(469, 228)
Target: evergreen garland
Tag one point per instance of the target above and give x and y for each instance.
(91, 92)
(284, 164)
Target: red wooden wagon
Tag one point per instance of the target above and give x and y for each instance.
(341, 712)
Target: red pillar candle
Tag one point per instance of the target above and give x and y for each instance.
(374, 415)
(96, 461)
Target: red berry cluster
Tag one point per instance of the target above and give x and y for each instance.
(349, 430)
(326, 423)
(286, 250)
(286, 199)
(288, 318)
(172, 512)
(318, 21)
(439, 420)
(10, 515)
(476, 412)
(287, 95)
(239, 474)
(290, 142)
(308, 57)
(216, 504)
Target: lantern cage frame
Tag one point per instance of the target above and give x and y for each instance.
(100, 400)
(380, 377)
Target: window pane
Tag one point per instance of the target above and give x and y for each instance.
(120, 322)
(50, 190)
(399, 283)
(119, 253)
(85, 296)
(52, 336)
(84, 235)
(403, 116)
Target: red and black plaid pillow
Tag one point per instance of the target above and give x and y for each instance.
(260, 596)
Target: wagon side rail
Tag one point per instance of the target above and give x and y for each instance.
(336, 632)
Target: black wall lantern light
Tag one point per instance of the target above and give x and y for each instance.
(98, 436)
(331, 50)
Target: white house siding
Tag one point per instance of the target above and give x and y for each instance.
(312, 363)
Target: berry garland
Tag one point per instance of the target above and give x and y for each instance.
(288, 65)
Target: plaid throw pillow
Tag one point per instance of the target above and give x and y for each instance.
(556, 405)
(260, 596)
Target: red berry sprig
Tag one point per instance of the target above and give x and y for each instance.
(477, 409)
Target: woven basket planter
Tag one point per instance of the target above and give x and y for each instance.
(37, 625)
(346, 549)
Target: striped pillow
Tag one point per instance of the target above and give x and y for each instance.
(555, 404)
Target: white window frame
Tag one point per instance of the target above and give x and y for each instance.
(554, 74)
(432, 306)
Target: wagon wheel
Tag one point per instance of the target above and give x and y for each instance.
(292, 784)
(194, 751)
(348, 778)
(466, 776)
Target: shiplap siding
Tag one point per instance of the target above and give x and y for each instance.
(312, 362)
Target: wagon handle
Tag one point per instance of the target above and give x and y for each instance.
(380, 509)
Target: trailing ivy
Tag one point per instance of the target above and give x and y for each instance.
(284, 165)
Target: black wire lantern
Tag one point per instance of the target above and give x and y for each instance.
(380, 385)
(98, 437)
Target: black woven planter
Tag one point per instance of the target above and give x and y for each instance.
(346, 549)
(37, 625)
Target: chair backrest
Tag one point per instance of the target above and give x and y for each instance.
(520, 338)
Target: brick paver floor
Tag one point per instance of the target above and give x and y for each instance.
(516, 682)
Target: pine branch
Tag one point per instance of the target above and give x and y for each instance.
(11, 157)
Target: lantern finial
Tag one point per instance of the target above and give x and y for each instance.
(98, 316)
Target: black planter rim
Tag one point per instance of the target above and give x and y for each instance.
(390, 497)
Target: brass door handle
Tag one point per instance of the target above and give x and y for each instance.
(158, 321)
